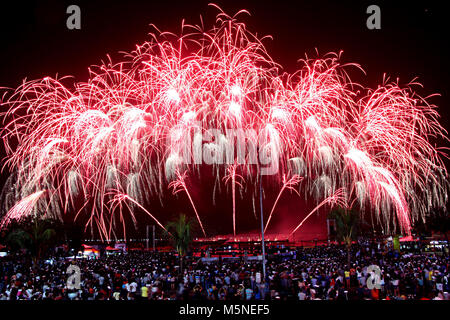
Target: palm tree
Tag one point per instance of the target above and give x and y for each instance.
(347, 222)
(180, 231)
(35, 239)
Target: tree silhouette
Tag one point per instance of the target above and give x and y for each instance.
(347, 226)
(35, 236)
(180, 231)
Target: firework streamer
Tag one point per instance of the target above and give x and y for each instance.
(338, 198)
(22, 209)
(232, 176)
(120, 197)
(287, 184)
(180, 185)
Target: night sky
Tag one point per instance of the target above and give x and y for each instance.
(412, 43)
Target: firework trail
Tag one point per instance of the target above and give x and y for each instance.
(23, 208)
(119, 198)
(180, 185)
(287, 184)
(136, 124)
(338, 198)
(231, 176)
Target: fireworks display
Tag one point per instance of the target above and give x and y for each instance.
(139, 128)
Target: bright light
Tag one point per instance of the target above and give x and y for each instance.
(235, 109)
(172, 95)
(236, 90)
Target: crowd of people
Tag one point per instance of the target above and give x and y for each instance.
(317, 273)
